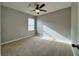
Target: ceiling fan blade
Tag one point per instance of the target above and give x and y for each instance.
(32, 10)
(42, 5)
(43, 10)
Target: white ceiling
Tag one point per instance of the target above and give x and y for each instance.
(24, 6)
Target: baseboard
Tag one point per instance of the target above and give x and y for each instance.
(16, 39)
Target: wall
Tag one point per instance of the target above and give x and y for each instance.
(0, 30)
(0, 24)
(77, 51)
(58, 22)
(75, 26)
(78, 25)
(14, 24)
(74, 23)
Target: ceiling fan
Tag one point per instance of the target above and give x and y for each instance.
(38, 8)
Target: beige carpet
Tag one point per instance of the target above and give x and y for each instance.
(35, 46)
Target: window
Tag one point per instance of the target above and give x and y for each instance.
(31, 24)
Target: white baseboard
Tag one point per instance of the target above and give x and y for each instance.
(16, 39)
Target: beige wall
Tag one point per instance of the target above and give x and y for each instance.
(0, 24)
(75, 26)
(14, 25)
(58, 21)
(74, 23)
(78, 30)
(0, 30)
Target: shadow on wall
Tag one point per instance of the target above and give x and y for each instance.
(50, 34)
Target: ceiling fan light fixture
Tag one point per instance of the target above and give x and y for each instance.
(37, 11)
